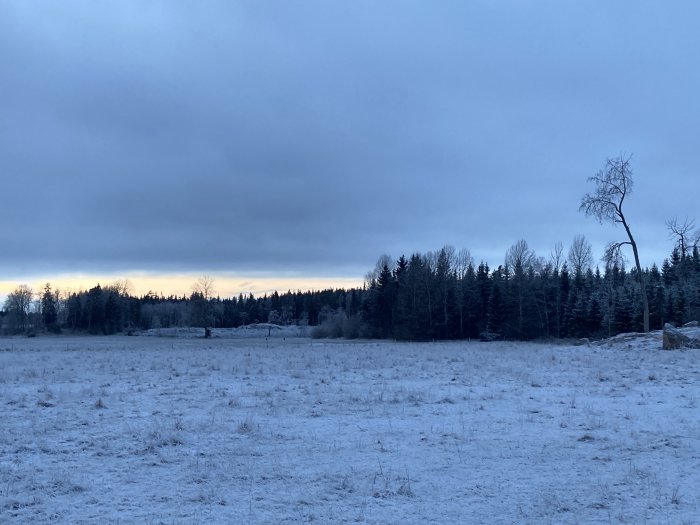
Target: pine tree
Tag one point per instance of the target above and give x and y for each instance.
(655, 289)
(469, 305)
(384, 302)
(595, 319)
(680, 306)
(414, 301)
(496, 310)
(75, 312)
(658, 308)
(623, 317)
(112, 314)
(94, 310)
(49, 309)
(402, 312)
(563, 302)
(483, 284)
(443, 282)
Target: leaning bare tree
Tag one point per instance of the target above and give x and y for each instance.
(613, 184)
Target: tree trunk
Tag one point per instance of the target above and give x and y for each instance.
(642, 280)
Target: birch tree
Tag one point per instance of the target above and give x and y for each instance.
(580, 255)
(17, 306)
(613, 184)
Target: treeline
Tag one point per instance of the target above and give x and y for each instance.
(112, 309)
(444, 296)
(432, 296)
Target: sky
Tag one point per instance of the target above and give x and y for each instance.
(289, 144)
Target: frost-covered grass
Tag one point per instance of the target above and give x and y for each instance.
(151, 430)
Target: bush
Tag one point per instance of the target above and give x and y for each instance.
(337, 324)
(352, 327)
(319, 332)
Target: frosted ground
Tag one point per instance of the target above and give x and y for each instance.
(243, 430)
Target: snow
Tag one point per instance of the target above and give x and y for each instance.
(292, 430)
(257, 330)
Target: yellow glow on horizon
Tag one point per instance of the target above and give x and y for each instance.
(225, 285)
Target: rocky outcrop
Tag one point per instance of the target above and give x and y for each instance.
(675, 338)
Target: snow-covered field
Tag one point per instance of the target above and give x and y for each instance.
(175, 430)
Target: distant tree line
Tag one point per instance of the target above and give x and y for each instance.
(112, 309)
(432, 296)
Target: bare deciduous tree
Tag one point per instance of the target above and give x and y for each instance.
(382, 261)
(613, 184)
(556, 256)
(449, 255)
(203, 311)
(463, 262)
(687, 237)
(122, 287)
(520, 256)
(521, 259)
(17, 306)
(580, 255)
(204, 286)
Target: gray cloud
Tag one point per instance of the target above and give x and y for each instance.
(314, 136)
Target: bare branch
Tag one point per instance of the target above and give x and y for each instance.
(613, 255)
(580, 255)
(687, 237)
(520, 256)
(204, 286)
(556, 255)
(612, 184)
(464, 261)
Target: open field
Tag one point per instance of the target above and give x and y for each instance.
(178, 431)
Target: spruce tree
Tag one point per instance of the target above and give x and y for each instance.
(483, 283)
(49, 309)
(384, 302)
(496, 324)
(94, 310)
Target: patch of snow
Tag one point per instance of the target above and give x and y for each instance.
(256, 330)
(248, 430)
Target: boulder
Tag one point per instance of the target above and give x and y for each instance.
(691, 324)
(674, 339)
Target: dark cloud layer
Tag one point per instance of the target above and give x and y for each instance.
(314, 136)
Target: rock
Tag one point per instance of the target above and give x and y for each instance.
(691, 324)
(674, 339)
(584, 341)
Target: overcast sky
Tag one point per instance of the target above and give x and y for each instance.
(305, 139)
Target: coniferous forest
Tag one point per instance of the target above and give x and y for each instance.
(428, 296)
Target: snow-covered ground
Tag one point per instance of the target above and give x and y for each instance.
(178, 431)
